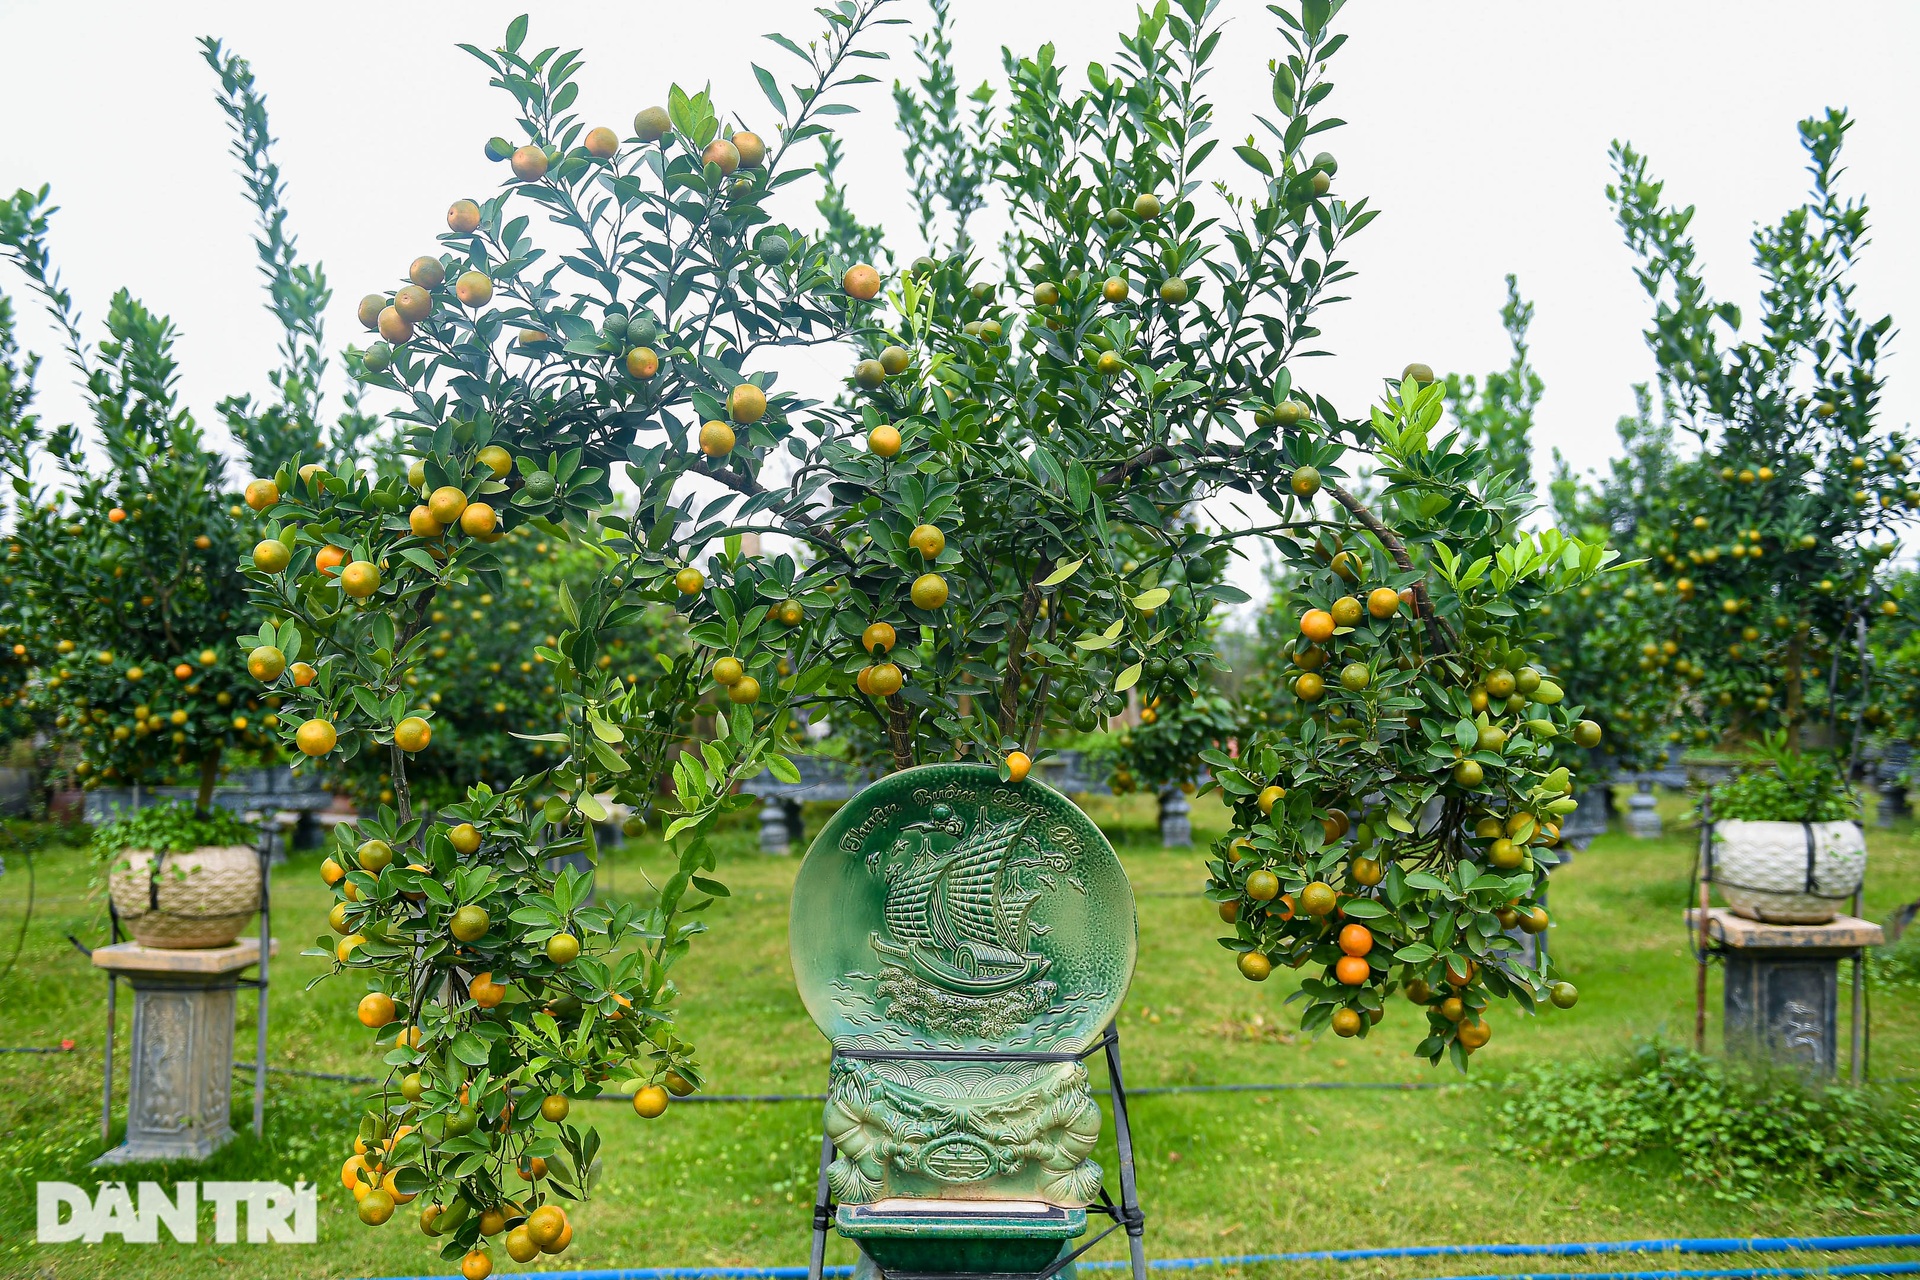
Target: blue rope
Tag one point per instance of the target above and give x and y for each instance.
(1723, 1244)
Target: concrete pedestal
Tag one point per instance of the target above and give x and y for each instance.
(1176, 826)
(182, 1053)
(1643, 820)
(781, 827)
(1782, 998)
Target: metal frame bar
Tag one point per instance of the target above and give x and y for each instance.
(1125, 1214)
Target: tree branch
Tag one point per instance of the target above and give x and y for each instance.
(1444, 641)
(1017, 644)
(899, 735)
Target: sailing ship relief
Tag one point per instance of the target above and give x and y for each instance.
(957, 951)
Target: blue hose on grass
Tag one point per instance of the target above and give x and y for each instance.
(1729, 1244)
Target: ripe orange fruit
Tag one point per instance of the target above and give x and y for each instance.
(929, 591)
(303, 674)
(360, 579)
(394, 326)
(747, 403)
(1458, 976)
(560, 1245)
(262, 494)
(744, 692)
(465, 838)
(1317, 625)
(463, 217)
(1366, 871)
(602, 142)
(1309, 686)
(370, 308)
(529, 163)
(878, 636)
(476, 1266)
(315, 737)
(862, 281)
(554, 1107)
(1352, 970)
(689, 581)
(446, 503)
(1270, 796)
(927, 540)
(728, 672)
(1263, 886)
(1383, 602)
(884, 440)
(752, 149)
(412, 734)
(652, 124)
(117, 515)
(716, 439)
(332, 872)
(643, 363)
(1115, 289)
(376, 1010)
(421, 522)
(650, 1101)
(1019, 764)
(722, 154)
(264, 664)
(1346, 1022)
(1254, 966)
(1346, 612)
(329, 559)
(478, 520)
(428, 273)
(473, 288)
(1474, 1034)
(1356, 939)
(884, 679)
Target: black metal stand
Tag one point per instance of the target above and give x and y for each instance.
(1124, 1214)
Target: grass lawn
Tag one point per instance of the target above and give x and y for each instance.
(1278, 1170)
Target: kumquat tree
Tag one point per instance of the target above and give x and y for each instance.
(1769, 550)
(529, 375)
(987, 538)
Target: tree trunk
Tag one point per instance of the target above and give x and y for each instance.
(209, 774)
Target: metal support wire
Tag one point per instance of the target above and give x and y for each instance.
(266, 951)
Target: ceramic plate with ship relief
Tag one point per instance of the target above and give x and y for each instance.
(942, 908)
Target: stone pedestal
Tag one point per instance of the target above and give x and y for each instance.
(1893, 791)
(182, 1052)
(1782, 998)
(1176, 828)
(781, 826)
(1643, 820)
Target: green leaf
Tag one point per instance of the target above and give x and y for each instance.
(1128, 678)
(1152, 599)
(1061, 574)
(590, 805)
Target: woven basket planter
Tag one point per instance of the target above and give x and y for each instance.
(202, 898)
(1788, 872)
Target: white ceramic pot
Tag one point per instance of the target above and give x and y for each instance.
(202, 898)
(1788, 872)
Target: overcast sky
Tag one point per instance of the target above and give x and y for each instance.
(1480, 130)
